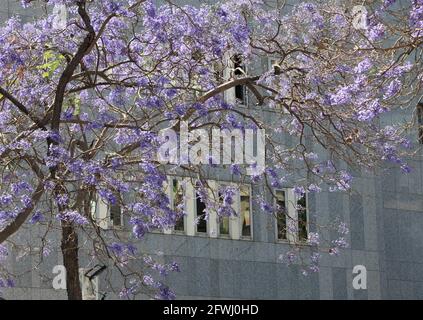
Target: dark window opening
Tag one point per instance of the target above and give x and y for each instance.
(223, 221)
(281, 214)
(200, 210)
(245, 212)
(116, 215)
(178, 205)
(302, 218)
(239, 67)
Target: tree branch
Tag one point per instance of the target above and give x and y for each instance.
(23, 215)
(22, 108)
(67, 74)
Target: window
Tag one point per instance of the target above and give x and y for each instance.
(224, 226)
(115, 213)
(302, 218)
(106, 215)
(239, 71)
(178, 204)
(245, 214)
(420, 122)
(200, 210)
(223, 221)
(281, 215)
(93, 209)
(187, 198)
(291, 216)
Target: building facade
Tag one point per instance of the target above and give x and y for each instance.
(240, 260)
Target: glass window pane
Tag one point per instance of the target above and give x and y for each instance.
(302, 218)
(178, 204)
(93, 209)
(223, 221)
(245, 211)
(281, 214)
(224, 226)
(200, 215)
(239, 67)
(116, 214)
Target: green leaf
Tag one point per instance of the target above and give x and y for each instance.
(52, 62)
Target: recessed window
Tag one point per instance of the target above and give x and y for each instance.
(93, 209)
(200, 209)
(115, 211)
(223, 221)
(189, 200)
(291, 216)
(302, 218)
(178, 205)
(245, 214)
(281, 213)
(224, 226)
(106, 215)
(239, 71)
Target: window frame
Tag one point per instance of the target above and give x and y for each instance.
(291, 201)
(101, 215)
(170, 194)
(231, 231)
(275, 200)
(212, 223)
(195, 215)
(250, 195)
(228, 73)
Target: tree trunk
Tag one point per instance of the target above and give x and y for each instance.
(70, 260)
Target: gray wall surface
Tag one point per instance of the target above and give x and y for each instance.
(384, 213)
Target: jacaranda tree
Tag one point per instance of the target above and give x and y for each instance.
(83, 99)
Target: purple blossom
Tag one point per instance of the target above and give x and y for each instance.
(314, 268)
(21, 186)
(165, 293)
(363, 66)
(6, 199)
(235, 169)
(342, 96)
(340, 243)
(388, 3)
(342, 228)
(266, 207)
(406, 169)
(313, 239)
(72, 216)
(376, 32)
(139, 230)
(26, 201)
(7, 283)
(3, 253)
(314, 188)
(299, 191)
(315, 257)
(289, 258)
(334, 251)
(62, 199)
(36, 217)
(392, 89)
(148, 281)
